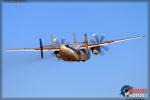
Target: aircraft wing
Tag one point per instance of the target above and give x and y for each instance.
(41, 49)
(82, 46)
(110, 42)
(47, 48)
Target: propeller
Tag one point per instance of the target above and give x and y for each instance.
(97, 39)
(63, 41)
(41, 47)
(58, 43)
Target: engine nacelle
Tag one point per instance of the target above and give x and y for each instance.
(57, 54)
(95, 50)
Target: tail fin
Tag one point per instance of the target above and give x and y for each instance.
(52, 40)
(86, 44)
(74, 38)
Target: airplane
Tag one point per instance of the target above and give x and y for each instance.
(75, 51)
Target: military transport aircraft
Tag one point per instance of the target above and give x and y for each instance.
(75, 51)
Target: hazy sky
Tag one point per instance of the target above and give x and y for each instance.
(26, 75)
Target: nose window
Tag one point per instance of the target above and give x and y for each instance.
(78, 52)
(67, 46)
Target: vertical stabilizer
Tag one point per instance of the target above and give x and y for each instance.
(86, 44)
(52, 40)
(74, 38)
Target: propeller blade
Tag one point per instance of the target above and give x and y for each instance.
(63, 40)
(41, 47)
(56, 41)
(105, 48)
(96, 37)
(101, 38)
(101, 52)
(92, 41)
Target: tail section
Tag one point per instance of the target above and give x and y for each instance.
(86, 44)
(74, 38)
(52, 40)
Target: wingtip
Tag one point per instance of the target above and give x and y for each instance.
(143, 35)
(140, 36)
(9, 50)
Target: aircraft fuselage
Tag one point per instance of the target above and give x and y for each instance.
(71, 54)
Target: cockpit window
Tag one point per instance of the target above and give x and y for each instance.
(78, 52)
(67, 46)
(83, 50)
